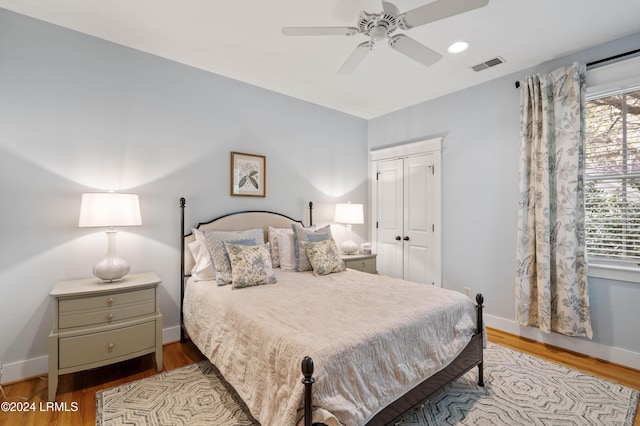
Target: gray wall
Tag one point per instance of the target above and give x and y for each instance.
(79, 114)
(480, 127)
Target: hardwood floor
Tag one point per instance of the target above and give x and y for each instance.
(78, 390)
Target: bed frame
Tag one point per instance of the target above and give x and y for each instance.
(470, 357)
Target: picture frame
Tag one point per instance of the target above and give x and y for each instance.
(248, 175)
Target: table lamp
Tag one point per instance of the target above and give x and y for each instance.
(110, 209)
(349, 214)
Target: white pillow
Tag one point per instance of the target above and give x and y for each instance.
(273, 240)
(286, 250)
(203, 269)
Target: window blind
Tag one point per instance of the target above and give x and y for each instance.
(612, 172)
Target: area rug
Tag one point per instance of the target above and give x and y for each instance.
(519, 390)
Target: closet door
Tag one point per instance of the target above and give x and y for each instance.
(389, 212)
(419, 219)
(407, 194)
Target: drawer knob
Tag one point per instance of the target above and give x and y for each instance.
(110, 317)
(110, 347)
(110, 301)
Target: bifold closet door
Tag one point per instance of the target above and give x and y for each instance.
(418, 220)
(405, 206)
(390, 216)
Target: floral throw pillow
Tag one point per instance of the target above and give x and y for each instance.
(324, 257)
(250, 265)
(301, 235)
(215, 240)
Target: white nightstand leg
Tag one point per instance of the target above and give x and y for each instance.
(159, 342)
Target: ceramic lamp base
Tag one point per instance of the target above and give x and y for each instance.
(111, 268)
(349, 247)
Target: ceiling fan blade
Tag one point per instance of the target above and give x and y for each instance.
(319, 31)
(355, 58)
(416, 51)
(437, 10)
(390, 8)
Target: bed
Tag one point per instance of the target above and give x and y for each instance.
(345, 348)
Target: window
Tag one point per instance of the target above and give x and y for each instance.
(612, 186)
(613, 170)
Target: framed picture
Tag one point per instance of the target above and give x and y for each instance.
(248, 175)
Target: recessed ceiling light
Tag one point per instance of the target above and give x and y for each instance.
(458, 47)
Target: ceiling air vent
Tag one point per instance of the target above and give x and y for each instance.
(488, 64)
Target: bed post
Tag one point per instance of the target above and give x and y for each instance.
(480, 301)
(182, 205)
(310, 213)
(307, 372)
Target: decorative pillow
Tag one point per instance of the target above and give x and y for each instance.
(301, 234)
(250, 265)
(324, 257)
(203, 269)
(244, 242)
(273, 240)
(286, 253)
(214, 241)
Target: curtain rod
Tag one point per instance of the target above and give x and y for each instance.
(600, 61)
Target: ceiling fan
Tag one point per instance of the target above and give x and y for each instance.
(380, 26)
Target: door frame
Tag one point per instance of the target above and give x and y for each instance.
(427, 146)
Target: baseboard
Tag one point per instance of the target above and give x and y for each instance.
(21, 370)
(170, 335)
(34, 367)
(597, 350)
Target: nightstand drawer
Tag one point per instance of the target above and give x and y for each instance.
(96, 347)
(105, 316)
(364, 265)
(107, 300)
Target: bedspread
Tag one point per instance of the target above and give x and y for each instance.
(372, 338)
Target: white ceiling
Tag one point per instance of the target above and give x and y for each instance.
(241, 39)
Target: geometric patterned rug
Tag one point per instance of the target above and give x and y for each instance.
(519, 390)
(195, 394)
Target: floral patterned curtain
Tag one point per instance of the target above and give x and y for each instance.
(551, 284)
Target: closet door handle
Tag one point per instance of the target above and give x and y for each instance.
(406, 238)
(398, 238)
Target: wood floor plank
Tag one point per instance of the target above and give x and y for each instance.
(80, 388)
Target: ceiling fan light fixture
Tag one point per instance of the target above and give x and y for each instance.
(378, 33)
(458, 47)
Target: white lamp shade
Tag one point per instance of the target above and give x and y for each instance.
(349, 213)
(109, 209)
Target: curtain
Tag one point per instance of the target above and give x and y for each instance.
(551, 284)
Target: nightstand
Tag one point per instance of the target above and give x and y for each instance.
(361, 262)
(96, 324)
